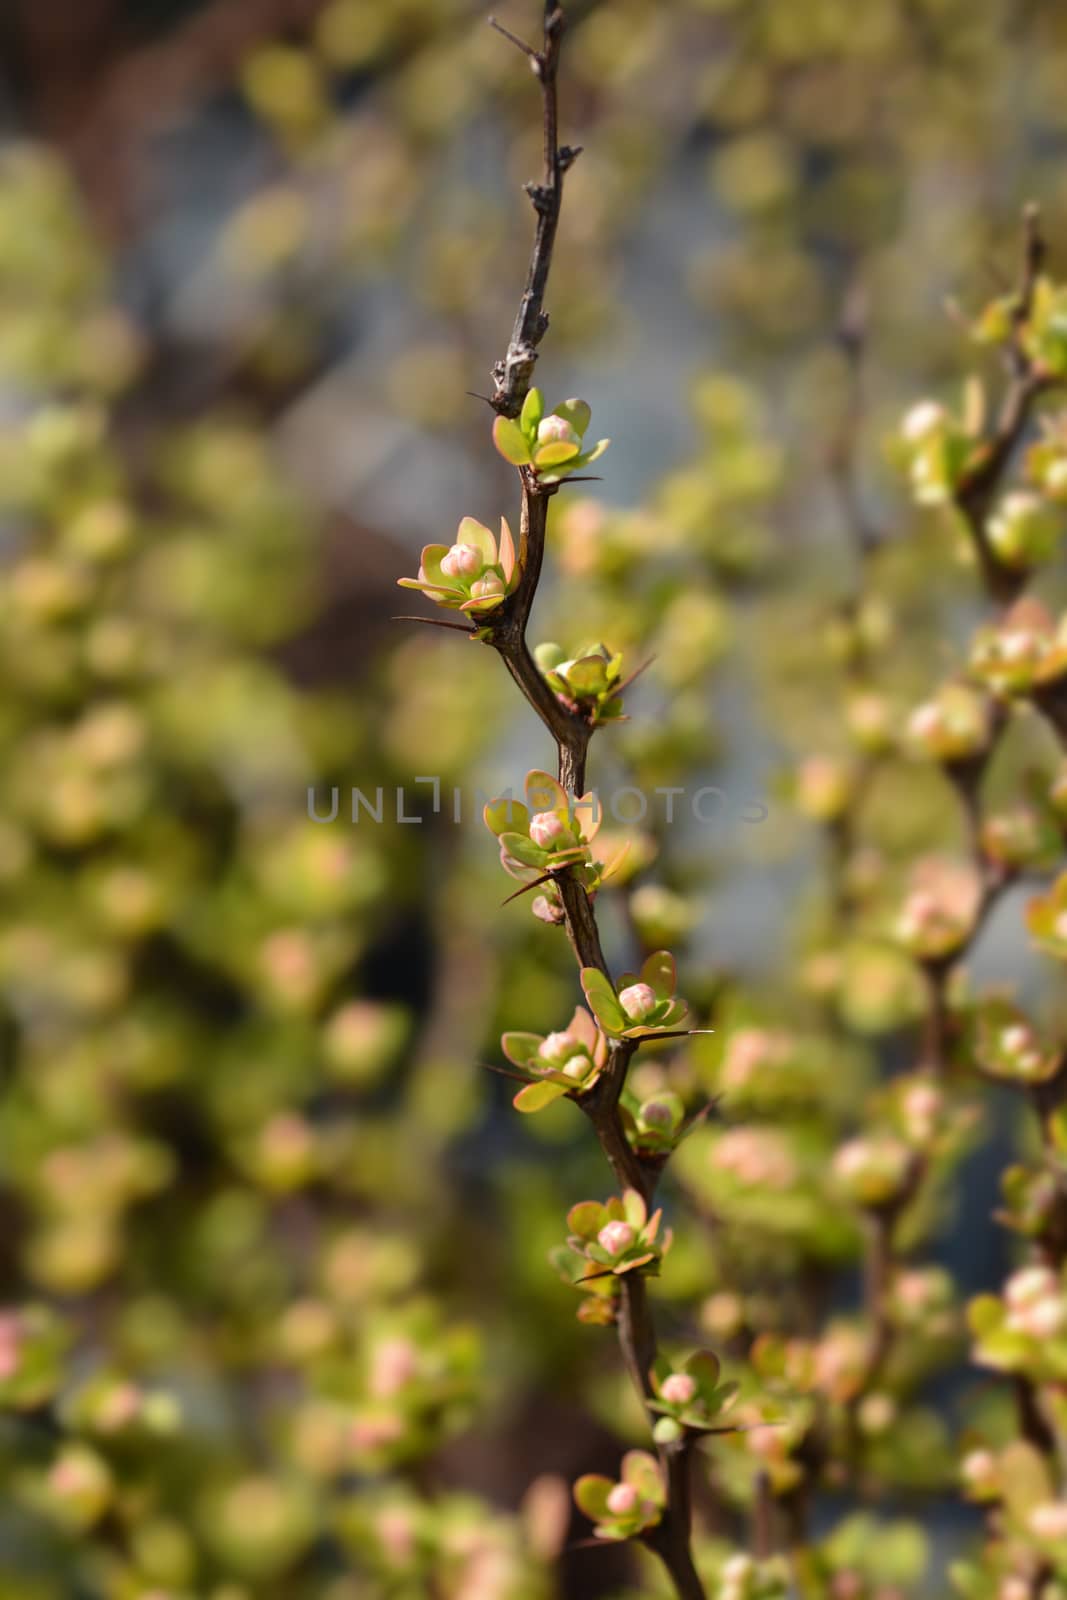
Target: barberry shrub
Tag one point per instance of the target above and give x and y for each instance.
(797, 1400)
(250, 1313)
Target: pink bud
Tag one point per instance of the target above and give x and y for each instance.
(922, 420)
(978, 1468)
(576, 1067)
(678, 1389)
(546, 829)
(1049, 1520)
(486, 588)
(638, 1001)
(556, 430)
(394, 1365)
(622, 1500)
(615, 1237)
(10, 1345)
(556, 1048)
(545, 911)
(462, 561)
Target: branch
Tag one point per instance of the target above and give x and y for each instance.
(975, 495)
(571, 732)
(844, 446)
(513, 374)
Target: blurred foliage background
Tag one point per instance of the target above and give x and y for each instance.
(273, 1245)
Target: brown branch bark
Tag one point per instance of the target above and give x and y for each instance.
(974, 497)
(512, 376)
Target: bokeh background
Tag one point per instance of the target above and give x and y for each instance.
(294, 1332)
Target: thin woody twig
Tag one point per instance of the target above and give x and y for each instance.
(572, 731)
(844, 447)
(512, 375)
(974, 496)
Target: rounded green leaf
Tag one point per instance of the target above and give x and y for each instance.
(554, 453)
(591, 1495)
(602, 1000)
(520, 1048)
(661, 974)
(533, 409)
(704, 1366)
(522, 848)
(641, 1471)
(586, 1218)
(548, 655)
(511, 442)
(535, 1096)
(506, 815)
(576, 412)
(545, 793)
(471, 531)
(588, 676)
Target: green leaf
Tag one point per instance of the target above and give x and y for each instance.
(535, 1096)
(471, 531)
(602, 1000)
(642, 1471)
(554, 453)
(661, 1368)
(724, 1395)
(661, 975)
(522, 848)
(510, 441)
(432, 556)
(520, 1048)
(591, 1495)
(676, 1012)
(449, 597)
(588, 676)
(544, 793)
(533, 409)
(705, 1367)
(505, 815)
(548, 655)
(586, 1218)
(592, 455)
(1025, 1478)
(576, 412)
(985, 1315)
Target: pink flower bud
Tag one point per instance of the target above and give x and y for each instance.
(486, 588)
(577, 1067)
(10, 1345)
(622, 1500)
(545, 911)
(556, 1048)
(615, 1237)
(978, 1469)
(678, 1389)
(1049, 1520)
(638, 1001)
(394, 1365)
(547, 829)
(462, 561)
(556, 430)
(922, 420)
